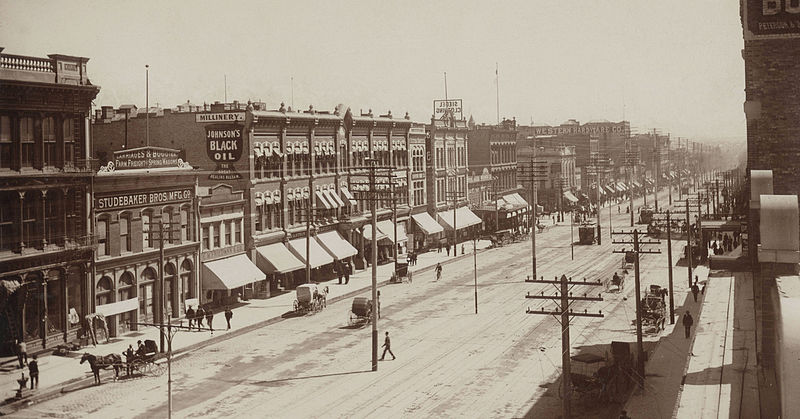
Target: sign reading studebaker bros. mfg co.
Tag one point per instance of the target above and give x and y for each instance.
(768, 19)
(224, 144)
(136, 199)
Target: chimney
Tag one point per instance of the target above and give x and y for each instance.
(107, 111)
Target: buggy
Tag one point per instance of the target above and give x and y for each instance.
(310, 298)
(617, 281)
(360, 312)
(401, 272)
(628, 260)
(144, 361)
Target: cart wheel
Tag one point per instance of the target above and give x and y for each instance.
(296, 305)
(157, 369)
(137, 366)
(351, 320)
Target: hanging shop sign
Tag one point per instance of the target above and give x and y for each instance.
(224, 144)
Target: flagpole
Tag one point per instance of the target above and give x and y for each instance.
(445, 89)
(497, 75)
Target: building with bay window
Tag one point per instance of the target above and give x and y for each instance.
(45, 180)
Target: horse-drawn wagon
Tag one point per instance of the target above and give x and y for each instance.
(360, 311)
(586, 233)
(310, 298)
(654, 308)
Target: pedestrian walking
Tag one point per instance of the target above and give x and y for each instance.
(22, 352)
(462, 248)
(338, 268)
(688, 321)
(199, 314)
(210, 320)
(438, 271)
(190, 316)
(439, 247)
(409, 277)
(33, 370)
(447, 246)
(228, 316)
(348, 270)
(695, 290)
(387, 347)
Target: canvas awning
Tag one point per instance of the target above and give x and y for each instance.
(333, 198)
(322, 200)
(463, 217)
(318, 256)
(427, 223)
(336, 245)
(611, 189)
(230, 273)
(348, 196)
(118, 307)
(387, 227)
(620, 188)
(276, 258)
(368, 233)
(636, 184)
(570, 197)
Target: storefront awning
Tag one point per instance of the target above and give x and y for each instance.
(570, 197)
(322, 201)
(318, 257)
(229, 273)
(337, 246)
(118, 307)
(333, 198)
(611, 189)
(387, 227)
(463, 217)
(636, 184)
(427, 223)
(368, 233)
(348, 196)
(515, 201)
(620, 187)
(276, 258)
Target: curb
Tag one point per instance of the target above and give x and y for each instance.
(14, 406)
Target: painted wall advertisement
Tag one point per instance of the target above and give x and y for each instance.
(766, 19)
(224, 144)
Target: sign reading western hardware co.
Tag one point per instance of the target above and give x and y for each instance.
(224, 144)
(764, 19)
(125, 200)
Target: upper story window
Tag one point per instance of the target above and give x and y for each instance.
(6, 145)
(147, 237)
(49, 139)
(26, 141)
(69, 141)
(125, 232)
(102, 236)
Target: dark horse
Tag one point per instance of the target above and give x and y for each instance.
(101, 363)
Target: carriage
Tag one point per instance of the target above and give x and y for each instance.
(360, 311)
(628, 260)
(144, 362)
(617, 281)
(586, 233)
(654, 308)
(646, 215)
(401, 271)
(310, 298)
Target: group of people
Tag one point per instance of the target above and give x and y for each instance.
(724, 243)
(342, 269)
(33, 365)
(196, 317)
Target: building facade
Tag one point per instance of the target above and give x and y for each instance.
(46, 242)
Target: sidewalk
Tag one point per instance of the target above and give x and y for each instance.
(711, 374)
(58, 372)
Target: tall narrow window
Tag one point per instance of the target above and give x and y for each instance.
(69, 142)
(228, 228)
(206, 238)
(26, 141)
(124, 233)
(184, 224)
(237, 237)
(6, 145)
(147, 238)
(7, 202)
(30, 210)
(49, 138)
(217, 234)
(167, 225)
(102, 236)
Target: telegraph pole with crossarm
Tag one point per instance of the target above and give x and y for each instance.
(637, 250)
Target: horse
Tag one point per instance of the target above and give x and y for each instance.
(101, 363)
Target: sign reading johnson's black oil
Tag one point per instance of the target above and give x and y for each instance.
(224, 144)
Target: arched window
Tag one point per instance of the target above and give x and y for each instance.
(147, 294)
(187, 282)
(125, 232)
(101, 233)
(104, 291)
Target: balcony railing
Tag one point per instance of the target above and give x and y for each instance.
(21, 62)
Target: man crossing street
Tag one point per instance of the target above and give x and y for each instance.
(387, 347)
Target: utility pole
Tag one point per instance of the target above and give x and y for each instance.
(598, 167)
(689, 240)
(637, 252)
(563, 299)
(656, 166)
(669, 265)
(532, 174)
(454, 196)
(630, 158)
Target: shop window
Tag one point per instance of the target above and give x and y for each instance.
(74, 295)
(170, 279)
(26, 141)
(6, 144)
(55, 311)
(146, 295)
(49, 139)
(127, 290)
(187, 283)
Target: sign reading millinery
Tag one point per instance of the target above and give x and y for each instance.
(146, 158)
(136, 199)
(440, 107)
(220, 117)
(764, 19)
(224, 143)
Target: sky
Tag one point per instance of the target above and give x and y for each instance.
(675, 66)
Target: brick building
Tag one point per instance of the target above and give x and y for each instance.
(45, 182)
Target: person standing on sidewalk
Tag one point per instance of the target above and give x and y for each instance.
(387, 347)
(199, 314)
(190, 316)
(228, 316)
(688, 321)
(33, 370)
(338, 268)
(348, 270)
(695, 290)
(22, 352)
(210, 319)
